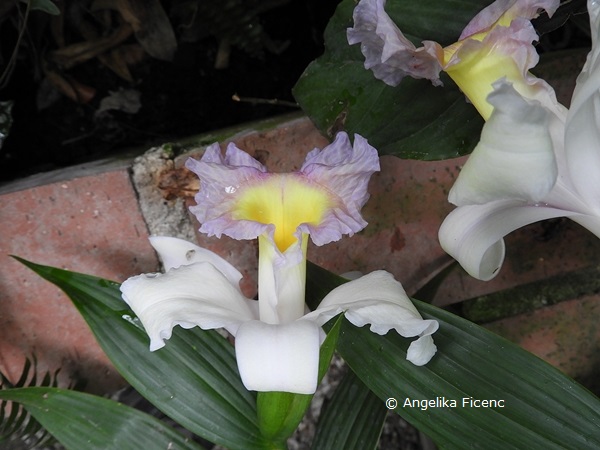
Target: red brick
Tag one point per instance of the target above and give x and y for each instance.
(90, 225)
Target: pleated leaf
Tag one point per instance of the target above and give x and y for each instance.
(353, 418)
(16, 424)
(413, 120)
(543, 408)
(83, 421)
(194, 379)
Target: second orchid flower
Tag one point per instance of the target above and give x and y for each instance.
(536, 160)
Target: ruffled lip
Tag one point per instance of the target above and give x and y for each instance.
(340, 169)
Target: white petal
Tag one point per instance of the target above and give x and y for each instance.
(514, 158)
(176, 252)
(582, 138)
(592, 223)
(421, 351)
(379, 300)
(197, 294)
(279, 357)
(377, 286)
(473, 234)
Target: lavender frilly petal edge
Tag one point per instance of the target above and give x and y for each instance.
(344, 170)
(219, 174)
(388, 53)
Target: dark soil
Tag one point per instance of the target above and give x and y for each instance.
(179, 98)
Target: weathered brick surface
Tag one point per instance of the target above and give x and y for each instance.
(91, 225)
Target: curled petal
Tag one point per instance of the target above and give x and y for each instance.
(344, 171)
(515, 156)
(279, 357)
(193, 295)
(379, 300)
(176, 252)
(475, 64)
(421, 351)
(473, 234)
(582, 134)
(387, 51)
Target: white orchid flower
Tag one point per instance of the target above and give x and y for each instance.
(277, 342)
(536, 160)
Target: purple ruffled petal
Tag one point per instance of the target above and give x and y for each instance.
(388, 53)
(340, 169)
(344, 170)
(508, 9)
(220, 180)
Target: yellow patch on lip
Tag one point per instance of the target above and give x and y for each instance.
(284, 200)
(476, 73)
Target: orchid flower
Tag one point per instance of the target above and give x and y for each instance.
(495, 44)
(277, 341)
(536, 160)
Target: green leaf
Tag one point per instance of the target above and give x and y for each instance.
(46, 6)
(16, 424)
(543, 408)
(81, 421)
(353, 418)
(279, 413)
(414, 120)
(194, 379)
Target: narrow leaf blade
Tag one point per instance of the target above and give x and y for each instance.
(353, 419)
(78, 420)
(194, 379)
